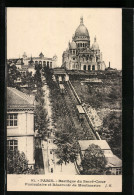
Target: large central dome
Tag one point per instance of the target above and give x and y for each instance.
(81, 30)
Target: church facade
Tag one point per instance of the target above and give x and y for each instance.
(80, 55)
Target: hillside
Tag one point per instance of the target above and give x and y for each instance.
(103, 100)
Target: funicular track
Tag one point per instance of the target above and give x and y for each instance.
(83, 126)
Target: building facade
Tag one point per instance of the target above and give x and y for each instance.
(41, 59)
(113, 163)
(80, 55)
(27, 64)
(20, 123)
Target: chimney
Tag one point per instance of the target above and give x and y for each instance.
(109, 64)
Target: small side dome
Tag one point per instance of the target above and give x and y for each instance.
(95, 45)
(24, 55)
(41, 55)
(55, 57)
(72, 45)
(18, 61)
(65, 52)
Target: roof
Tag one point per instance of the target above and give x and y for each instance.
(18, 99)
(39, 58)
(81, 30)
(114, 161)
(101, 143)
(59, 71)
(80, 109)
(24, 67)
(73, 45)
(95, 45)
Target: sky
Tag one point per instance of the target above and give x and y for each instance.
(48, 30)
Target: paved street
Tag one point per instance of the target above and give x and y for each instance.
(50, 161)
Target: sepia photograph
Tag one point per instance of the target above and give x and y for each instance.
(64, 99)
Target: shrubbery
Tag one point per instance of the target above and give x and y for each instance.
(112, 131)
(18, 164)
(93, 161)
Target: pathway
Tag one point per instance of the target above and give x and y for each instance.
(48, 147)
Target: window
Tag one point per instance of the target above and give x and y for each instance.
(73, 58)
(12, 120)
(73, 51)
(50, 152)
(44, 63)
(12, 145)
(84, 67)
(93, 67)
(89, 67)
(118, 171)
(50, 64)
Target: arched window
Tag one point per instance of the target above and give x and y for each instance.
(93, 67)
(83, 45)
(40, 62)
(98, 67)
(84, 67)
(80, 44)
(89, 67)
(73, 51)
(50, 64)
(44, 63)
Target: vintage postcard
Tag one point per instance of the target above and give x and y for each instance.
(64, 99)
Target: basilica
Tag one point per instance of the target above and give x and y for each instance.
(80, 54)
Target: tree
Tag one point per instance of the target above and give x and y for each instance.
(12, 75)
(37, 76)
(112, 131)
(68, 148)
(41, 122)
(28, 79)
(93, 161)
(18, 164)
